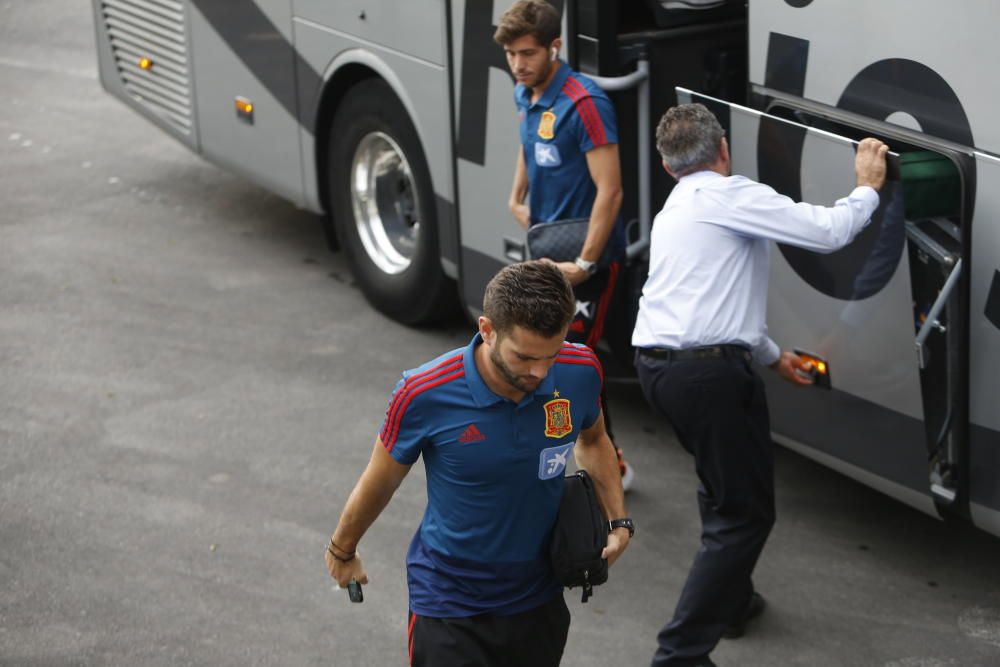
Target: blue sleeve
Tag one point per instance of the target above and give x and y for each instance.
(593, 409)
(403, 432)
(594, 384)
(595, 123)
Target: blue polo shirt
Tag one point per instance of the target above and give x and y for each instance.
(494, 478)
(572, 117)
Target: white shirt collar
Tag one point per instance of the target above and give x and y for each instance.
(699, 178)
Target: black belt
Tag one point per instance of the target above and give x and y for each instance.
(704, 352)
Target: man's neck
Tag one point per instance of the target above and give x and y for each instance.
(492, 378)
(539, 90)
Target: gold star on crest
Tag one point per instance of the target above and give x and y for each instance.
(556, 393)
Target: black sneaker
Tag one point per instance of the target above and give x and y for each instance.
(754, 609)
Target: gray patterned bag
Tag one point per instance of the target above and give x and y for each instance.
(562, 240)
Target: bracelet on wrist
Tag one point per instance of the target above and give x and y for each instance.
(343, 559)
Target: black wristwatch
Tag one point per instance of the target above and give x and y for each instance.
(622, 523)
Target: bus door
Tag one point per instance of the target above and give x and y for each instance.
(884, 314)
(984, 349)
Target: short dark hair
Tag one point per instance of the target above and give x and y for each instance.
(688, 137)
(528, 17)
(532, 295)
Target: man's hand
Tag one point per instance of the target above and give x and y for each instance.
(869, 163)
(521, 213)
(573, 273)
(618, 540)
(787, 365)
(343, 572)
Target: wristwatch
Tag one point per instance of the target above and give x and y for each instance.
(589, 267)
(622, 523)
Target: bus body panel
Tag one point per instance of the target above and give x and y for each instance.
(413, 27)
(248, 54)
(120, 43)
(422, 87)
(984, 342)
(922, 64)
(487, 143)
(918, 499)
(919, 65)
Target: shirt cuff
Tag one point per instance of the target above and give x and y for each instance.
(766, 352)
(868, 195)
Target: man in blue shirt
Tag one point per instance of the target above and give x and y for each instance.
(567, 165)
(495, 422)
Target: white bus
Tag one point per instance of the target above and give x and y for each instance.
(396, 119)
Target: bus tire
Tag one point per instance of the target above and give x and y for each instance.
(383, 206)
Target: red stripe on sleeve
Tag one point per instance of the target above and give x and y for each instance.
(601, 138)
(569, 348)
(574, 94)
(399, 406)
(582, 353)
(416, 392)
(588, 111)
(584, 361)
(392, 413)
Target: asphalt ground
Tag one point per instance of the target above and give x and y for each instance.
(190, 384)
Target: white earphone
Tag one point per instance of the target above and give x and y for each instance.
(555, 53)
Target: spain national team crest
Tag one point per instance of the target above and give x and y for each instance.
(558, 422)
(547, 125)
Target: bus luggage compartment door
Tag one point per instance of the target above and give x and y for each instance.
(853, 307)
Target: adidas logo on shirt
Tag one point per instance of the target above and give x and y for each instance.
(471, 434)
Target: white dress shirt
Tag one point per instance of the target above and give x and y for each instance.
(708, 263)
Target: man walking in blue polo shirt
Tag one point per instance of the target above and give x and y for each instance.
(567, 165)
(495, 422)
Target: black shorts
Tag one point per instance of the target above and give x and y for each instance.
(593, 296)
(533, 638)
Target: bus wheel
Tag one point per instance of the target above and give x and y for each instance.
(383, 206)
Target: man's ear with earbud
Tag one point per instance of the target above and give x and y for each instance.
(553, 53)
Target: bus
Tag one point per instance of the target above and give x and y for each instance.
(395, 120)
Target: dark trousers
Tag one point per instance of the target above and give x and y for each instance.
(594, 295)
(534, 638)
(719, 411)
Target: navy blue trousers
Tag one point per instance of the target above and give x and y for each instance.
(718, 410)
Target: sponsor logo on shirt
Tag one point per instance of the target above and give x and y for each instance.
(552, 461)
(547, 155)
(547, 125)
(558, 421)
(471, 434)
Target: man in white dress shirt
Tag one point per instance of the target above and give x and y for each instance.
(700, 327)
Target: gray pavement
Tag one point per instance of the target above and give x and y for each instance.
(190, 384)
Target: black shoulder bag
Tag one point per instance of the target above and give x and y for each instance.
(579, 536)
